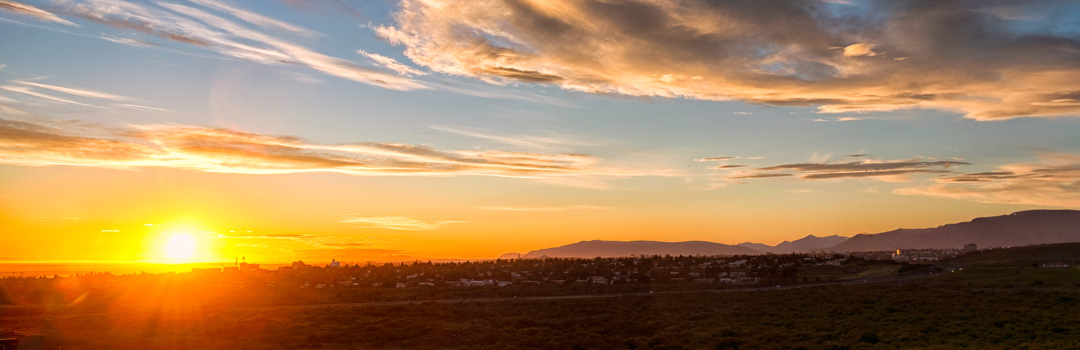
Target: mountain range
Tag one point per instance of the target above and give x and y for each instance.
(1017, 229)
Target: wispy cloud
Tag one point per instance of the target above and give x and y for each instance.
(228, 151)
(1054, 180)
(725, 158)
(883, 170)
(391, 64)
(551, 141)
(25, 9)
(205, 30)
(399, 223)
(30, 91)
(254, 18)
(544, 209)
(840, 119)
(29, 88)
(878, 56)
(144, 108)
(76, 91)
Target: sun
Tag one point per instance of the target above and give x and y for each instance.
(180, 246)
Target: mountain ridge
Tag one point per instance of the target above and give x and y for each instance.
(1022, 228)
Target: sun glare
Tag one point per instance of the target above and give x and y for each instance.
(181, 246)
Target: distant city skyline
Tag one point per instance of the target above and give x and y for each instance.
(202, 130)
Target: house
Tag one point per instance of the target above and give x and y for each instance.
(1054, 264)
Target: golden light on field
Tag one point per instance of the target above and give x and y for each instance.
(180, 246)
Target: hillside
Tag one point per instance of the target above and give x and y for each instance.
(1068, 253)
(1016, 229)
(592, 249)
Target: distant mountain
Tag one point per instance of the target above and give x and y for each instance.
(509, 256)
(808, 243)
(605, 249)
(801, 245)
(760, 247)
(1016, 229)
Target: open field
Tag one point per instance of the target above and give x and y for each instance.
(998, 303)
(907, 316)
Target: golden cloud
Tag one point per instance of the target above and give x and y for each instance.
(786, 53)
(228, 151)
(1054, 180)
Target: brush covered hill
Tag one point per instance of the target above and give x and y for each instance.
(610, 249)
(1067, 253)
(1017, 229)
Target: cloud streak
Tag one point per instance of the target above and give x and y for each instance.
(1054, 180)
(543, 209)
(878, 56)
(206, 30)
(399, 223)
(228, 151)
(885, 170)
(25, 9)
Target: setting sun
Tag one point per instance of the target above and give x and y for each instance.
(180, 246)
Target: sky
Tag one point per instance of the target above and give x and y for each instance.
(431, 129)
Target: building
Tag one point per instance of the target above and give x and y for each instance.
(334, 263)
(970, 247)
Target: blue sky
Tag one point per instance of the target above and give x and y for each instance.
(404, 128)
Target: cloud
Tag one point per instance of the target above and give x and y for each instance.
(28, 88)
(144, 108)
(255, 18)
(713, 159)
(728, 166)
(193, 26)
(758, 176)
(29, 91)
(884, 170)
(544, 209)
(227, 151)
(76, 91)
(29, 144)
(840, 119)
(552, 141)
(720, 159)
(398, 223)
(391, 64)
(782, 54)
(25, 9)
(1054, 180)
(860, 49)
